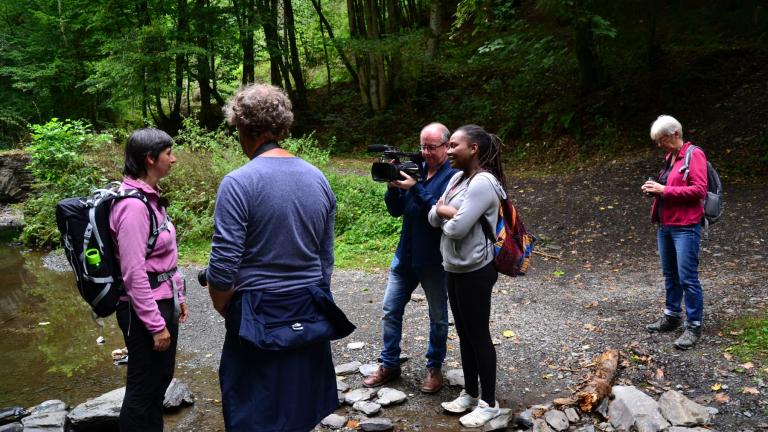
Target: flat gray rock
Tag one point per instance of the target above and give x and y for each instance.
(633, 408)
(367, 408)
(177, 395)
(368, 369)
(557, 420)
(341, 385)
(99, 413)
(681, 411)
(455, 377)
(572, 415)
(355, 345)
(500, 422)
(49, 421)
(525, 419)
(347, 368)
(685, 429)
(52, 405)
(334, 421)
(588, 428)
(376, 424)
(389, 396)
(361, 394)
(539, 425)
(12, 427)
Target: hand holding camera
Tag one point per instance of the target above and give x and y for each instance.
(389, 168)
(651, 187)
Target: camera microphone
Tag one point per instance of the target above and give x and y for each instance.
(377, 148)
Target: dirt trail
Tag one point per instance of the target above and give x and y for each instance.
(599, 295)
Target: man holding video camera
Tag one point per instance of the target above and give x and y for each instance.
(417, 261)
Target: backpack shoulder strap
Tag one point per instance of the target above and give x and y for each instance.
(685, 169)
(154, 230)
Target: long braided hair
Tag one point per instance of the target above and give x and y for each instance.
(489, 146)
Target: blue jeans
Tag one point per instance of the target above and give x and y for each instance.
(402, 281)
(679, 252)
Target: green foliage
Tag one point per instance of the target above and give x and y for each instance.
(751, 334)
(366, 235)
(308, 149)
(64, 162)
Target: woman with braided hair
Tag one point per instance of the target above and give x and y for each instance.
(473, 193)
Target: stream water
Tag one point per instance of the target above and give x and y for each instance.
(48, 346)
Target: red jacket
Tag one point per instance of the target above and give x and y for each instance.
(682, 201)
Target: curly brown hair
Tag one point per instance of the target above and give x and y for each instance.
(261, 109)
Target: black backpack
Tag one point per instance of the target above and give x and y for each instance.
(713, 203)
(87, 242)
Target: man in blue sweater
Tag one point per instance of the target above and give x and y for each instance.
(417, 261)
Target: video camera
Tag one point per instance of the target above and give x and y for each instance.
(388, 168)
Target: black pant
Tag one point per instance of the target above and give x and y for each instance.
(470, 297)
(149, 371)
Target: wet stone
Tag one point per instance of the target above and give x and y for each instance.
(455, 377)
(361, 394)
(376, 424)
(557, 420)
(367, 408)
(368, 369)
(334, 421)
(388, 396)
(347, 368)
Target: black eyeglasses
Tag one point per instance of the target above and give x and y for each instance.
(431, 148)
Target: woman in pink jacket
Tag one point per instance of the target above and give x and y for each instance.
(678, 211)
(153, 306)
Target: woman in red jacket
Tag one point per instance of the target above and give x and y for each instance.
(677, 209)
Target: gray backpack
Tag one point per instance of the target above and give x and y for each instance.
(713, 203)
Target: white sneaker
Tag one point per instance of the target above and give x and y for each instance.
(480, 415)
(461, 403)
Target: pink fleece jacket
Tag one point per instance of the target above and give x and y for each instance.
(129, 224)
(682, 199)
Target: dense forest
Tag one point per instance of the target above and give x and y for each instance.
(576, 72)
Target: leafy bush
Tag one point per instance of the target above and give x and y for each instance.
(64, 160)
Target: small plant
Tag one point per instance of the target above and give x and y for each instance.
(751, 334)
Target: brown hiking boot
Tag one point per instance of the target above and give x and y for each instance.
(382, 376)
(689, 338)
(665, 324)
(433, 382)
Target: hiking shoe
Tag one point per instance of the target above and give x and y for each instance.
(382, 376)
(461, 403)
(433, 382)
(665, 324)
(481, 415)
(689, 338)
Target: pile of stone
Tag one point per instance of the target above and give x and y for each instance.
(97, 414)
(369, 403)
(629, 409)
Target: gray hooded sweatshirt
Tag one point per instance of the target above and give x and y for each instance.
(464, 245)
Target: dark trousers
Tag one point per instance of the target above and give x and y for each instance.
(149, 371)
(470, 297)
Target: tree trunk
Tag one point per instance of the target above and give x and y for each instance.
(268, 10)
(210, 115)
(294, 63)
(586, 55)
(245, 15)
(435, 27)
(344, 59)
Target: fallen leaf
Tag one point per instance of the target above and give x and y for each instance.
(748, 365)
(589, 327)
(352, 424)
(750, 390)
(736, 332)
(558, 273)
(592, 305)
(722, 398)
(716, 387)
(727, 356)
(508, 333)
(659, 375)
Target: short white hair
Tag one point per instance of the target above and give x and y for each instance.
(665, 125)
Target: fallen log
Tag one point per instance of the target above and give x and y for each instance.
(599, 384)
